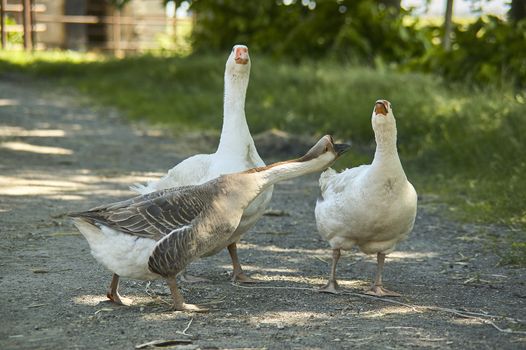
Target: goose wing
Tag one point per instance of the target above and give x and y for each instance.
(173, 252)
(154, 215)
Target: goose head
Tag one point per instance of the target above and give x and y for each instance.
(383, 117)
(384, 126)
(238, 63)
(318, 158)
(324, 153)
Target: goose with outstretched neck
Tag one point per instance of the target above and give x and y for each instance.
(157, 235)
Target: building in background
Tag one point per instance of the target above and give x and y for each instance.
(97, 25)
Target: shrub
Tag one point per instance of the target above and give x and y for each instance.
(490, 50)
(356, 30)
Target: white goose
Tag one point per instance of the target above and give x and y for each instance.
(371, 206)
(236, 152)
(157, 235)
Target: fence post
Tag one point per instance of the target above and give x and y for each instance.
(33, 25)
(28, 26)
(117, 50)
(2, 23)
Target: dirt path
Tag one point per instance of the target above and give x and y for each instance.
(59, 155)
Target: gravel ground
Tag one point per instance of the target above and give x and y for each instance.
(59, 154)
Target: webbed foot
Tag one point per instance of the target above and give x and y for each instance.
(330, 287)
(380, 291)
(117, 299)
(193, 279)
(190, 308)
(242, 278)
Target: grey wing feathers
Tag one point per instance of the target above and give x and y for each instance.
(153, 215)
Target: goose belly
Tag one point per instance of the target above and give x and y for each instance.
(120, 253)
(372, 228)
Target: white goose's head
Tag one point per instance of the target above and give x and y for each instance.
(384, 126)
(383, 118)
(238, 63)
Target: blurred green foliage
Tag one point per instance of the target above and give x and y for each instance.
(14, 38)
(365, 31)
(489, 50)
(355, 30)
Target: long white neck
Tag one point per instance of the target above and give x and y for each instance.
(235, 135)
(386, 154)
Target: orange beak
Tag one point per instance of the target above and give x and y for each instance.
(241, 55)
(381, 107)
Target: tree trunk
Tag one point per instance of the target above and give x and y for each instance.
(517, 10)
(448, 25)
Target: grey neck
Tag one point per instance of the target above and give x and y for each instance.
(291, 169)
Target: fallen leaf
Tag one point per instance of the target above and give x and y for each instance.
(65, 233)
(272, 212)
(105, 309)
(163, 343)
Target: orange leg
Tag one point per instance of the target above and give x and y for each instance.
(377, 289)
(238, 274)
(113, 292)
(332, 284)
(178, 299)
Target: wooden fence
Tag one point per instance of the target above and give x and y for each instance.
(34, 20)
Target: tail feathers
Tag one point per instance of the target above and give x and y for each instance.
(85, 217)
(90, 230)
(142, 189)
(167, 181)
(325, 179)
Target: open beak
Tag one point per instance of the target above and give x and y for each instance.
(341, 148)
(241, 55)
(380, 107)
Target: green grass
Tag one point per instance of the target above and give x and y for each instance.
(463, 144)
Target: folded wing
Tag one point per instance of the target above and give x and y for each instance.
(154, 215)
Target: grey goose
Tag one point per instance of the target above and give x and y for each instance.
(157, 235)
